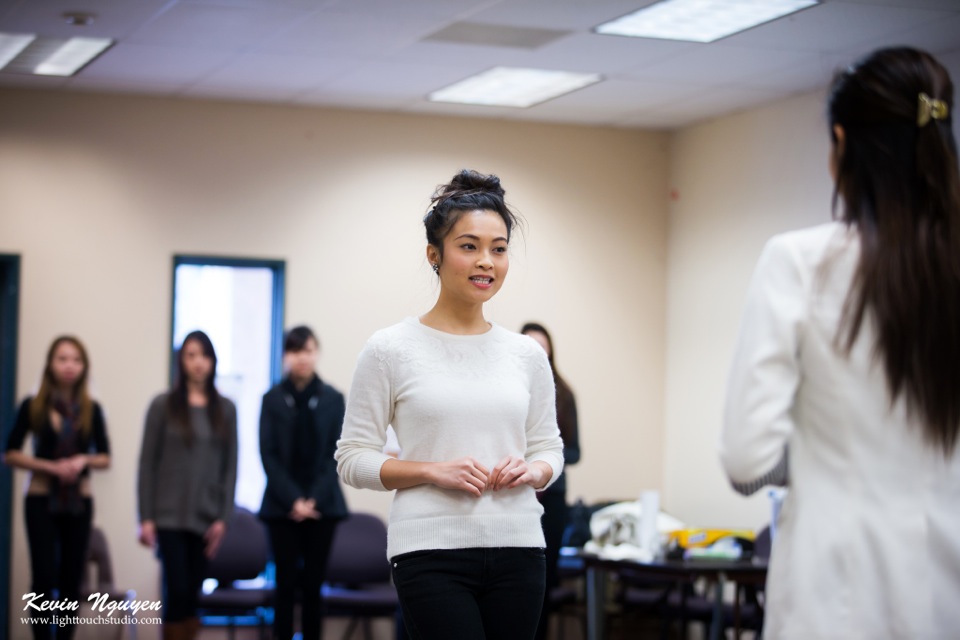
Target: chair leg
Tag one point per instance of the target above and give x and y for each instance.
(350, 627)
(176, 631)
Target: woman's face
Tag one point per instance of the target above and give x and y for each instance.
(475, 259)
(66, 365)
(301, 364)
(196, 365)
(541, 338)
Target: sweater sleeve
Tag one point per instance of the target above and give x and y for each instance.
(20, 428)
(368, 412)
(230, 464)
(150, 451)
(765, 373)
(543, 435)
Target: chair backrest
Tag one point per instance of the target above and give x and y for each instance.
(98, 559)
(243, 552)
(358, 555)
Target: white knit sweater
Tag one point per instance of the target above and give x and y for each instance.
(449, 396)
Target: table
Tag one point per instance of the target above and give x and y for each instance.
(719, 572)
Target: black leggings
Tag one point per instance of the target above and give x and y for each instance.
(58, 551)
(554, 521)
(300, 552)
(184, 565)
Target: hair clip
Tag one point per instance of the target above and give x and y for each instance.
(928, 107)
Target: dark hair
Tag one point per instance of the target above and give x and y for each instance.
(898, 182)
(564, 393)
(177, 403)
(297, 337)
(467, 191)
(41, 403)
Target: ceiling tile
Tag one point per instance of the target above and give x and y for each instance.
(213, 26)
(832, 26)
(717, 65)
(291, 74)
(328, 32)
(142, 64)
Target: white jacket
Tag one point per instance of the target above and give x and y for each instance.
(868, 542)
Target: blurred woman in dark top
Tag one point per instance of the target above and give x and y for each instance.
(300, 424)
(69, 438)
(554, 498)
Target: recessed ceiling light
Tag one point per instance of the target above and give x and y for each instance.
(11, 44)
(513, 87)
(74, 54)
(700, 20)
(26, 53)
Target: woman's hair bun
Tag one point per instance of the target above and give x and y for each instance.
(473, 181)
(468, 190)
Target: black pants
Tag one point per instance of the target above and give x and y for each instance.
(183, 565)
(300, 552)
(554, 521)
(470, 594)
(58, 551)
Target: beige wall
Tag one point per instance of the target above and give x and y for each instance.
(737, 181)
(98, 192)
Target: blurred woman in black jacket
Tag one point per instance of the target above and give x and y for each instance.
(300, 424)
(554, 498)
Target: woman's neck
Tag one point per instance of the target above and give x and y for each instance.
(456, 318)
(65, 394)
(196, 394)
(300, 383)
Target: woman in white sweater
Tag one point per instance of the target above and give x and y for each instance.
(473, 408)
(845, 384)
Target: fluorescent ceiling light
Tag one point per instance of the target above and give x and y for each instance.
(72, 56)
(700, 20)
(11, 44)
(27, 53)
(513, 87)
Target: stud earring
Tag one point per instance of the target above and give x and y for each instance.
(436, 267)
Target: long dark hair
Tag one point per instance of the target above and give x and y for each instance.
(41, 403)
(177, 403)
(468, 191)
(898, 181)
(565, 400)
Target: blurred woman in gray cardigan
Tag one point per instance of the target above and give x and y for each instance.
(188, 470)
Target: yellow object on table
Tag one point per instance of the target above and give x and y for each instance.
(689, 538)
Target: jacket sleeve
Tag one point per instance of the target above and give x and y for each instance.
(765, 373)
(543, 435)
(279, 482)
(369, 410)
(150, 451)
(230, 463)
(327, 480)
